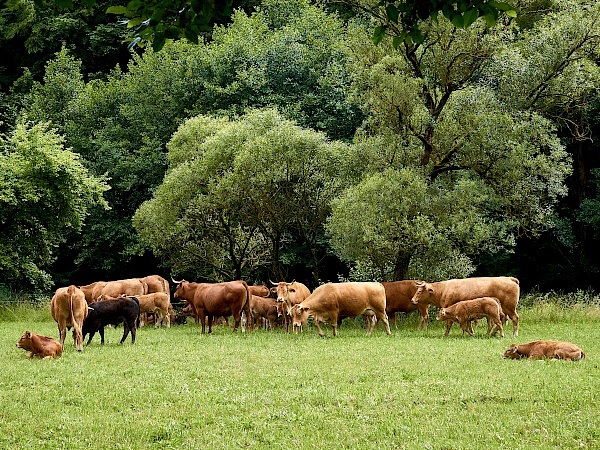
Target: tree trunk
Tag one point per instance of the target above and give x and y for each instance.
(401, 265)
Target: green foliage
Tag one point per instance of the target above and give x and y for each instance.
(235, 189)
(44, 192)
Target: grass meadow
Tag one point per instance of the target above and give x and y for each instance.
(176, 388)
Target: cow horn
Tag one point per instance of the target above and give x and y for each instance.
(175, 281)
(293, 281)
(420, 283)
(273, 283)
(91, 309)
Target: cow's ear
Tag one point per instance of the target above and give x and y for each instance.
(292, 290)
(28, 334)
(429, 288)
(273, 289)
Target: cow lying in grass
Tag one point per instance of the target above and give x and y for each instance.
(38, 345)
(544, 349)
(468, 310)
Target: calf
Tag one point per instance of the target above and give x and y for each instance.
(38, 345)
(266, 308)
(544, 349)
(466, 311)
(124, 310)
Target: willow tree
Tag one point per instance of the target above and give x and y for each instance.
(234, 192)
(464, 170)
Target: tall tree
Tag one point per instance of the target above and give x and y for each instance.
(488, 172)
(45, 192)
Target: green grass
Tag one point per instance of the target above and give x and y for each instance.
(176, 388)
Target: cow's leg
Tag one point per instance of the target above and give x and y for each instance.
(202, 319)
(237, 318)
(133, 330)
(448, 326)
(210, 322)
(101, 331)
(62, 332)
(384, 318)
(125, 331)
(90, 338)
(317, 324)
(77, 337)
(515, 320)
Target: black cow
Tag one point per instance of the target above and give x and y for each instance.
(124, 310)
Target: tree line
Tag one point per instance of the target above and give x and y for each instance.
(288, 145)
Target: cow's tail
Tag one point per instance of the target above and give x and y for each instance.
(137, 320)
(71, 293)
(246, 307)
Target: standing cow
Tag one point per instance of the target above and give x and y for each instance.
(330, 301)
(398, 296)
(445, 293)
(131, 287)
(289, 294)
(125, 310)
(69, 309)
(215, 299)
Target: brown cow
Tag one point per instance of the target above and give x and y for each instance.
(289, 294)
(445, 293)
(69, 309)
(545, 349)
(156, 283)
(468, 310)
(157, 303)
(215, 299)
(330, 301)
(260, 290)
(398, 295)
(266, 308)
(133, 287)
(38, 345)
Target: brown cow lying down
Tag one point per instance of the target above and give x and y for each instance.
(38, 345)
(544, 349)
(468, 310)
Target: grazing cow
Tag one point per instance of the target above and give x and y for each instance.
(69, 309)
(468, 310)
(289, 294)
(260, 290)
(210, 300)
(398, 296)
(132, 287)
(266, 308)
(38, 345)
(545, 349)
(330, 301)
(445, 293)
(124, 310)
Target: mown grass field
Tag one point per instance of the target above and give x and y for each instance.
(176, 388)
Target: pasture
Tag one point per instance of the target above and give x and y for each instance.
(414, 389)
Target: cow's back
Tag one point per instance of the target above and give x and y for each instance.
(348, 299)
(506, 289)
(221, 299)
(398, 295)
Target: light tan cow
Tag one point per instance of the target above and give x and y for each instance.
(545, 349)
(260, 290)
(331, 301)
(130, 287)
(445, 293)
(154, 283)
(69, 309)
(468, 310)
(289, 294)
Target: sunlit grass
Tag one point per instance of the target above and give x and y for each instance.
(177, 388)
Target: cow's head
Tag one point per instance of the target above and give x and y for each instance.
(25, 341)
(442, 315)
(283, 290)
(179, 290)
(299, 314)
(512, 352)
(423, 294)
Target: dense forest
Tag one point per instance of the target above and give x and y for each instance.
(297, 140)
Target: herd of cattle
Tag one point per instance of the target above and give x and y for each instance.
(88, 309)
